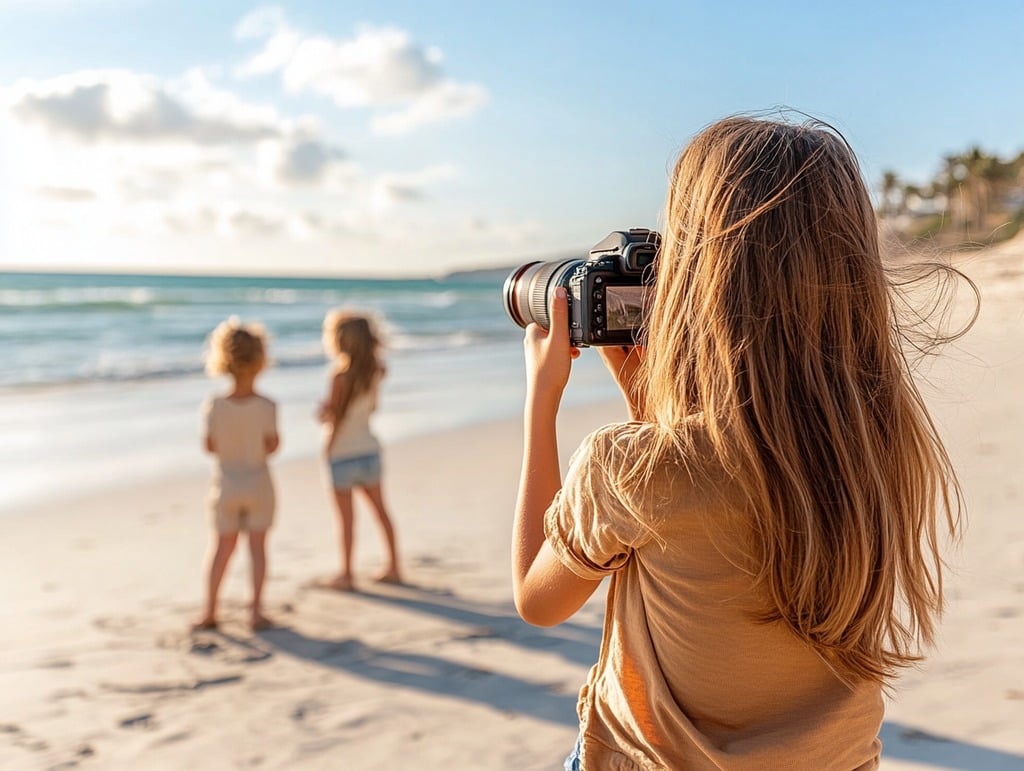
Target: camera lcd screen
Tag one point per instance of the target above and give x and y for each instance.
(625, 306)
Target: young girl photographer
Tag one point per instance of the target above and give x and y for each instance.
(771, 517)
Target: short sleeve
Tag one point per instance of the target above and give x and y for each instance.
(589, 525)
(271, 418)
(207, 415)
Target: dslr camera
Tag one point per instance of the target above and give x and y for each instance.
(606, 290)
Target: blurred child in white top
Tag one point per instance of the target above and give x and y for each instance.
(241, 432)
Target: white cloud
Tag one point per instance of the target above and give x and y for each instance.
(119, 105)
(295, 186)
(305, 161)
(232, 221)
(137, 169)
(140, 137)
(260, 23)
(378, 67)
(395, 188)
(446, 100)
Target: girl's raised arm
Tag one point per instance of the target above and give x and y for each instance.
(546, 591)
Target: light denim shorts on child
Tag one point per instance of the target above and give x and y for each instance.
(361, 471)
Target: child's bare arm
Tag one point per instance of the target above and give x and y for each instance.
(271, 442)
(271, 438)
(334, 411)
(207, 412)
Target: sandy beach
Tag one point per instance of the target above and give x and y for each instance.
(99, 669)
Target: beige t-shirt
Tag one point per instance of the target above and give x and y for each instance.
(686, 677)
(238, 428)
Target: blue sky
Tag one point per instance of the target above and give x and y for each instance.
(387, 138)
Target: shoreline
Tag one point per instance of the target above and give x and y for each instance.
(412, 444)
(66, 441)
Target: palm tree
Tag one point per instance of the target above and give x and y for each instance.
(890, 185)
(950, 183)
(908, 193)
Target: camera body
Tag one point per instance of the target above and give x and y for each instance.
(606, 291)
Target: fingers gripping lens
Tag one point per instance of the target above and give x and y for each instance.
(528, 289)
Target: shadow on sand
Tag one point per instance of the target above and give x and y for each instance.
(575, 642)
(551, 701)
(431, 673)
(901, 742)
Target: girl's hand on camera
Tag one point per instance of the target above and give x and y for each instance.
(549, 353)
(623, 361)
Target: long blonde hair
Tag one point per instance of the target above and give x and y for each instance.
(772, 319)
(352, 339)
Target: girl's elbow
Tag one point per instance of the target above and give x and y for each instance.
(535, 612)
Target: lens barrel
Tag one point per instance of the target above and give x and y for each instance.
(528, 288)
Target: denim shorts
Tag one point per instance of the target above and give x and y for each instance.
(362, 471)
(572, 763)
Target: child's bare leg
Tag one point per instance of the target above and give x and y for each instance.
(376, 497)
(218, 566)
(347, 528)
(258, 555)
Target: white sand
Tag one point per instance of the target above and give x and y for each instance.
(97, 669)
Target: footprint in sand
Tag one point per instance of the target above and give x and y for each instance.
(145, 720)
(306, 709)
(55, 664)
(21, 739)
(116, 624)
(149, 688)
(230, 650)
(68, 693)
(204, 647)
(216, 645)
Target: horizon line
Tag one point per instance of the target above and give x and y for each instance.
(61, 270)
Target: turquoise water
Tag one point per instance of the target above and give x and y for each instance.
(101, 375)
(61, 328)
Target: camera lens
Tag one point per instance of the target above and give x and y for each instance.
(528, 288)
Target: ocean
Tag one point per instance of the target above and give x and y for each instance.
(101, 376)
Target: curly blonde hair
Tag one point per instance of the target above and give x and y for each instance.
(236, 349)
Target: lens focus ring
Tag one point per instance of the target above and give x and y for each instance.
(527, 290)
